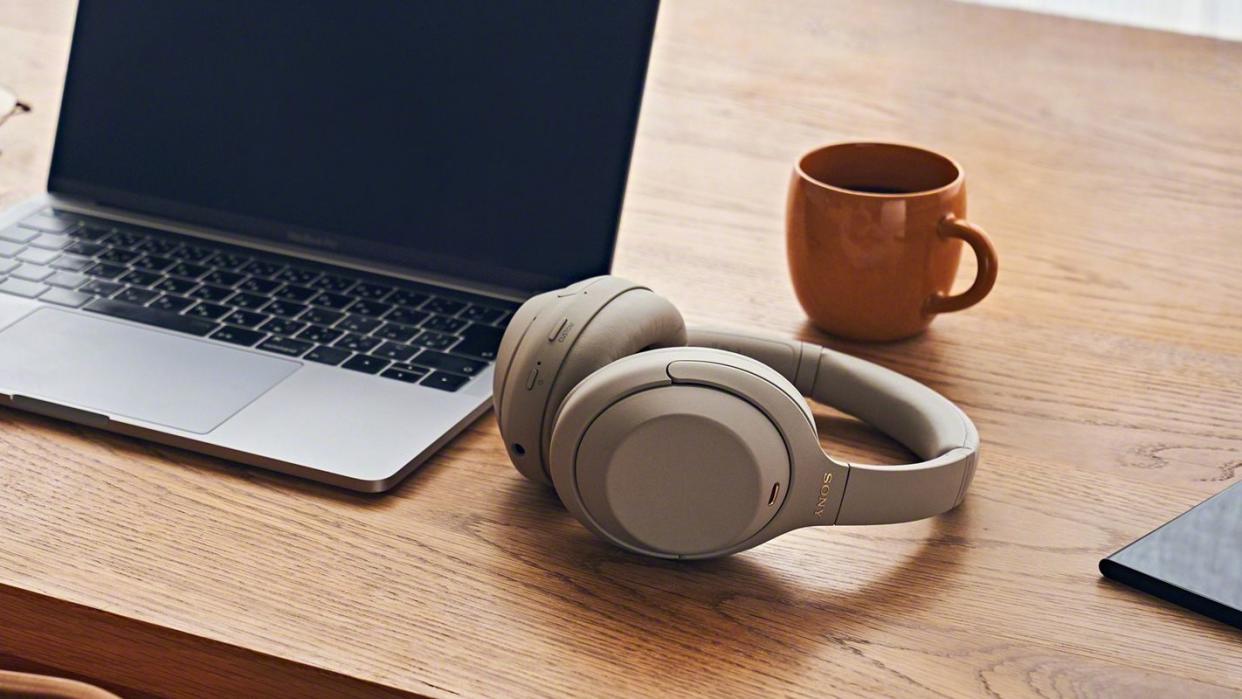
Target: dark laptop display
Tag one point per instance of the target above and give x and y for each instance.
(483, 140)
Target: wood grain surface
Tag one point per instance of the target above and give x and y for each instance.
(1104, 374)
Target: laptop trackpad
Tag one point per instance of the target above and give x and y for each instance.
(124, 370)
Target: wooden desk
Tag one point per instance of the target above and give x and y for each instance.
(1103, 373)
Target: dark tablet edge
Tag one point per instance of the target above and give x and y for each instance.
(1170, 593)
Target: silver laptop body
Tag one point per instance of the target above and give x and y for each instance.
(211, 298)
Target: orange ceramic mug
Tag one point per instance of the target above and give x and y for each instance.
(874, 234)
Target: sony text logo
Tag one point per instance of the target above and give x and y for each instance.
(824, 488)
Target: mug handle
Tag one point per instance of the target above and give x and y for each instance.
(952, 227)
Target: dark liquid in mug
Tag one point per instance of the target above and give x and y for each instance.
(876, 189)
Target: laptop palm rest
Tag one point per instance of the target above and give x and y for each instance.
(120, 370)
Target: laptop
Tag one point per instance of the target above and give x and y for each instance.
(290, 233)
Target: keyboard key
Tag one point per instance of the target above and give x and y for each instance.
(193, 253)
(232, 260)
(357, 343)
(136, 295)
(449, 363)
(359, 324)
(7, 265)
(480, 341)
(285, 346)
(69, 280)
(396, 332)
(20, 287)
(209, 311)
(315, 333)
(106, 271)
(435, 340)
(294, 275)
(48, 224)
(322, 316)
(394, 351)
(222, 277)
(127, 238)
(405, 297)
(368, 290)
(208, 292)
(72, 263)
(52, 241)
(17, 234)
(153, 263)
(8, 249)
(290, 292)
(403, 375)
(444, 306)
(443, 381)
(82, 247)
(173, 285)
(94, 232)
(444, 324)
(237, 336)
(188, 270)
(65, 297)
(283, 326)
(407, 316)
(288, 309)
(139, 278)
(248, 301)
(99, 287)
(157, 245)
(374, 309)
(118, 256)
(259, 268)
(38, 256)
(151, 316)
(334, 301)
(482, 314)
(168, 302)
(365, 364)
(259, 285)
(332, 282)
(246, 319)
(327, 355)
(32, 272)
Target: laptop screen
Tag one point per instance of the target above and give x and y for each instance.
(485, 140)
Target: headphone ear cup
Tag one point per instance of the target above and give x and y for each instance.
(514, 332)
(570, 334)
(672, 469)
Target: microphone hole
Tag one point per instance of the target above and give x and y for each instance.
(519, 450)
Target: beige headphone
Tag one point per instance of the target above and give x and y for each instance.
(705, 450)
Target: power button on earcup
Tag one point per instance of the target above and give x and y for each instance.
(532, 378)
(556, 329)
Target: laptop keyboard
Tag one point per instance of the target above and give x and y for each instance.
(391, 328)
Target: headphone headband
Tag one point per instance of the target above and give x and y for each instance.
(921, 419)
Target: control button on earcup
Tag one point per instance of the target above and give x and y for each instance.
(681, 470)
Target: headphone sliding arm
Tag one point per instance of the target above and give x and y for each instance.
(926, 422)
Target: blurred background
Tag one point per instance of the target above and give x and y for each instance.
(1221, 19)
